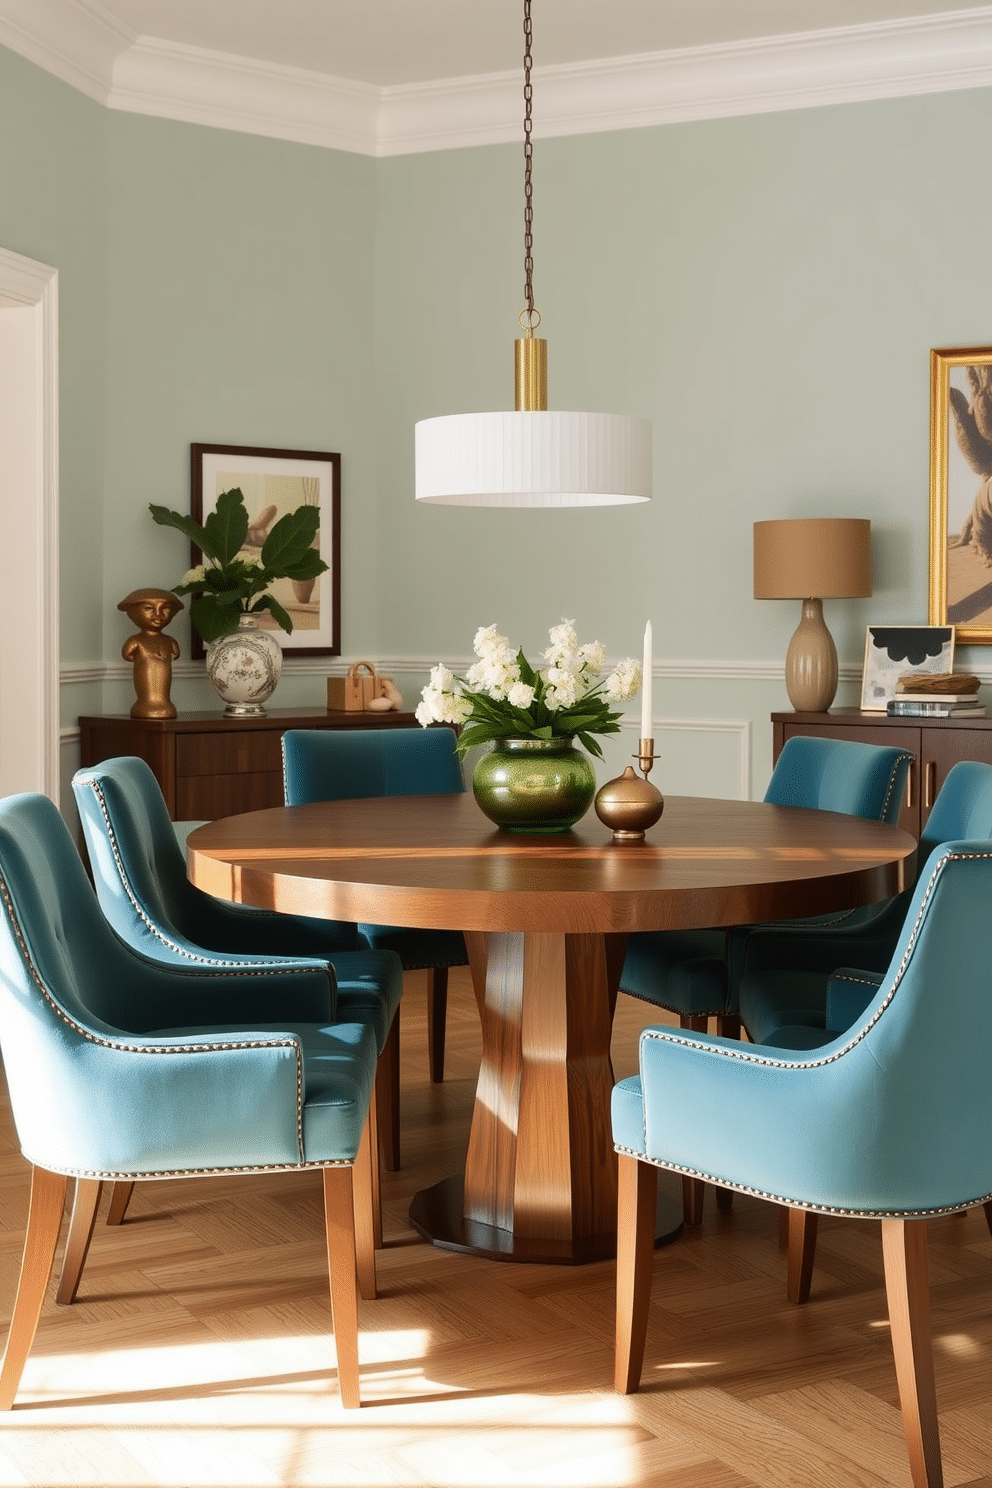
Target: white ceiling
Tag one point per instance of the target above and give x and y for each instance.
(390, 42)
(386, 77)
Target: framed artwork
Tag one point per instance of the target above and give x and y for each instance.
(893, 650)
(961, 491)
(274, 482)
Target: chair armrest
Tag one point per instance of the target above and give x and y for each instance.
(199, 996)
(746, 1114)
(109, 1106)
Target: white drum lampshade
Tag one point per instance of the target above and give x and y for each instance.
(533, 458)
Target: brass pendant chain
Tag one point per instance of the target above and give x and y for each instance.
(530, 318)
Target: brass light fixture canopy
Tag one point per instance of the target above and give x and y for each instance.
(532, 457)
(812, 559)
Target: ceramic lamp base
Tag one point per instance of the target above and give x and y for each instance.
(811, 662)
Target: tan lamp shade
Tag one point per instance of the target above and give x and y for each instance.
(812, 559)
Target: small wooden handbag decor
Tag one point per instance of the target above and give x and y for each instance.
(354, 693)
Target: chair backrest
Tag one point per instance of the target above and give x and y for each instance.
(840, 775)
(137, 863)
(139, 871)
(963, 808)
(345, 764)
(65, 980)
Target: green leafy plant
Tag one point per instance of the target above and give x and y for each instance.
(231, 583)
(504, 697)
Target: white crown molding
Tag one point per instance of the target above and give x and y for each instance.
(923, 54)
(76, 41)
(195, 86)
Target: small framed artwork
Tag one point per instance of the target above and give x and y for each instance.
(961, 491)
(893, 650)
(274, 482)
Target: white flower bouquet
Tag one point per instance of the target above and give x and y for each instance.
(504, 697)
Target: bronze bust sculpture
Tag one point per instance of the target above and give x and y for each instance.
(150, 652)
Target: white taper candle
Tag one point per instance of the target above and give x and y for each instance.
(647, 709)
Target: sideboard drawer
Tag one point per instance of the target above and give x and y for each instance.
(228, 754)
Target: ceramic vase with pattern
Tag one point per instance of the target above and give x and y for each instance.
(244, 667)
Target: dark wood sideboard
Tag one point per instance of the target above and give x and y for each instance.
(210, 766)
(935, 743)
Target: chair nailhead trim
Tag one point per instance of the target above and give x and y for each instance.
(774, 1198)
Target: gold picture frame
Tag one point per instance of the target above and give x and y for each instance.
(960, 591)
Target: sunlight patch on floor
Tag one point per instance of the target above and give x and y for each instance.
(201, 1414)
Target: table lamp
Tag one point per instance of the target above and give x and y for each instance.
(812, 559)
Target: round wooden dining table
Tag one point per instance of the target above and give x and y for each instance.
(546, 920)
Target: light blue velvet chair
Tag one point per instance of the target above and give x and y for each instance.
(784, 969)
(125, 1070)
(348, 764)
(888, 1121)
(140, 876)
(802, 986)
(693, 972)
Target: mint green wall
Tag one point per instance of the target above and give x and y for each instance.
(52, 208)
(239, 311)
(765, 289)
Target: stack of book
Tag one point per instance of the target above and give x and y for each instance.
(935, 705)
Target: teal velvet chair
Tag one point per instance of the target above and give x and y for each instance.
(784, 969)
(347, 764)
(124, 1070)
(800, 987)
(140, 876)
(693, 973)
(889, 1121)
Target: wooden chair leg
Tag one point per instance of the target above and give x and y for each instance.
(783, 1226)
(728, 1025)
(988, 1214)
(693, 1189)
(904, 1249)
(802, 1252)
(638, 1199)
(81, 1222)
(376, 1177)
(387, 1098)
(44, 1222)
(361, 1182)
(339, 1217)
(437, 1013)
(120, 1197)
(693, 1193)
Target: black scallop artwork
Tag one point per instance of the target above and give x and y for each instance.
(915, 644)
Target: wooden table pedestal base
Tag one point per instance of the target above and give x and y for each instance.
(437, 1214)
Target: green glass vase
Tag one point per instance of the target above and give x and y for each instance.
(534, 785)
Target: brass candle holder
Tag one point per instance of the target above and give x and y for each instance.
(629, 804)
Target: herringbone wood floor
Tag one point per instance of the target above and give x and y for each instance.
(199, 1352)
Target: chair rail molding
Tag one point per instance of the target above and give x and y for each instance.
(29, 438)
(688, 670)
(75, 40)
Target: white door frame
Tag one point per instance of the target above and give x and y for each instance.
(29, 529)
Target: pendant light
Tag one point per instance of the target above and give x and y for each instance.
(532, 456)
